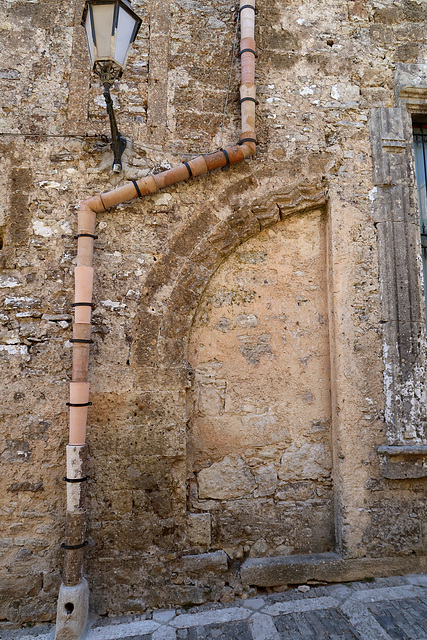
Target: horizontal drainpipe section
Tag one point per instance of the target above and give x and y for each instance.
(73, 600)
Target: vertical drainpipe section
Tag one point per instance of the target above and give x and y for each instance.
(247, 63)
(73, 599)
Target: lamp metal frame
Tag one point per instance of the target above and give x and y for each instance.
(109, 70)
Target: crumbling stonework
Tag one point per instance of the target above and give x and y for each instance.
(237, 371)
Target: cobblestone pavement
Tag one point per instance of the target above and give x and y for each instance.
(384, 609)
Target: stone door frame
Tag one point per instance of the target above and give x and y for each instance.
(396, 216)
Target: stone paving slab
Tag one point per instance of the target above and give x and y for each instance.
(366, 625)
(263, 628)
(220, 616)
(388, 593)
(301, 605)
(164, 633)
(124, 631)
(384, 609)
(231, 631)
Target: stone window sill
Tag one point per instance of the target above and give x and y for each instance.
(400, 462)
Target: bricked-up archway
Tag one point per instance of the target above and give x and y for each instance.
(259, 453)
(171, 295)
(176, 282)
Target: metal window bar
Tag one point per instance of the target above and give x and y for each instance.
(420, 152)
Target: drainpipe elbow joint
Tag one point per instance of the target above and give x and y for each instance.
(95, 204)
(249, 149)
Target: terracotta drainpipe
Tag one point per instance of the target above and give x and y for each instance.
(73, 600)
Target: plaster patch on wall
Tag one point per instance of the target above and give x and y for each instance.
(51, 184)
(113, 305)
(40, 229)
(13, 349)
(345, 92)
(8, 283)
(372, 194)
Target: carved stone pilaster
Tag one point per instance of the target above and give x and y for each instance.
(395, 212)
(410, 86)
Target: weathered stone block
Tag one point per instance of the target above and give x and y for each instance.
(309, 462)
(285, 569)
(199, 529)
(72, 613)
(206, 256)
(223, 239)
(404, 461)
(145, 348)
(244, 224)
(20, 587)
(230, 478)
(391, 142)
(344, 92)
(328, 567)
(266, 478)
(214, 561)
(267, 216)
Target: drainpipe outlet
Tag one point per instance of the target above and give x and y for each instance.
(72, 612)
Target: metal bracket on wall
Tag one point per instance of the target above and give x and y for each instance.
(118, 142)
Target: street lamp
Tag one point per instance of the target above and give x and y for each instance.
(111, 26)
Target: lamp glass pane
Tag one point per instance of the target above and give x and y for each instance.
(89, 37)
(125, 27)
(103, 21)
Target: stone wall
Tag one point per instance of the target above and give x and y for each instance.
(195, 466)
